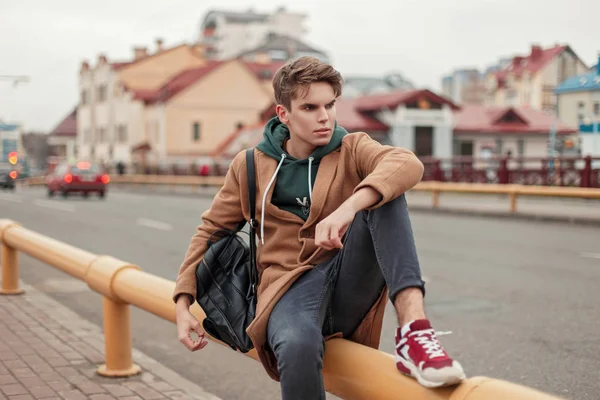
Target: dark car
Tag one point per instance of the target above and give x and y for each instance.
(81, 177)
(8, 176)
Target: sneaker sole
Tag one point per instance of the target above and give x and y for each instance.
(414, 372)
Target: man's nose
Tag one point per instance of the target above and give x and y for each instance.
(323, 116)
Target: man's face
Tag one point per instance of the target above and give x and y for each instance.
(312, 116)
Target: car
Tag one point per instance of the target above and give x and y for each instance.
(8, 176)
(81, 177)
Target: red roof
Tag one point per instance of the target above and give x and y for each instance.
(120, 64)
(178, 83)
(263, 71)
(188, 77)
(395, 98)
(349, 117)
(497, 120)
(536, 60)
(68, 126)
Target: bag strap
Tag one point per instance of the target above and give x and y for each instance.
(253, 224)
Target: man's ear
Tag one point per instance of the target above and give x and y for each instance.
(282, 113)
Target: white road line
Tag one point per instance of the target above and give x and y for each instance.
(150, 223)
(55, 205)
(13, 199)
(590, 255)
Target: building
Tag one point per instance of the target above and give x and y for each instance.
(579, 105)
(191, 114)
(419, 120)
(356, 86)
(429, 125)
(530, 81)
(62, 140)
(277, 47)
(111, 114)
(485, 131)
(226, 34)
(464, 86)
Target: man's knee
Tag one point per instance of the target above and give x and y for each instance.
(301, 344)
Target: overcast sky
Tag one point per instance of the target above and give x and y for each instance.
(423, 39)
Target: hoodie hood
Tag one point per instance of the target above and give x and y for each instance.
(276, 133)
(293, 178)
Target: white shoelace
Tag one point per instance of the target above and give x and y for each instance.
(427, 339)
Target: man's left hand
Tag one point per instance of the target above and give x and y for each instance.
(329, 232)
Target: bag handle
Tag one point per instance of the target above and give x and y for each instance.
(253, 224)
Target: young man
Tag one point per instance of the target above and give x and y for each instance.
(335, 241)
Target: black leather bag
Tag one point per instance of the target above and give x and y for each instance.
(227, 278)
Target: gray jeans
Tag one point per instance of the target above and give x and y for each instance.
(379, 250)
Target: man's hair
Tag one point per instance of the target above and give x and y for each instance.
(297, 75)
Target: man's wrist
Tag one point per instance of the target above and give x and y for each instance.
(362, 199)
(183, 302)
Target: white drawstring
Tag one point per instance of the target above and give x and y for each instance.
(262, 218)
(310, 159)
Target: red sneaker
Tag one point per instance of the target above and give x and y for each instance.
(420, 355)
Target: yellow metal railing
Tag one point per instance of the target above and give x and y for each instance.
(351, 371)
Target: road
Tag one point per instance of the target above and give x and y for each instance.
(517, 300)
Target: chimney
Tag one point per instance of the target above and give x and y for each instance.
(516, 62)
(102, 59)
(85, 66)
(139, 52)
(536, 51)
(159, 45)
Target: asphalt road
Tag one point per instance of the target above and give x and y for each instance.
(520, 298)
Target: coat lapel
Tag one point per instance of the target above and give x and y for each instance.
(325, 175)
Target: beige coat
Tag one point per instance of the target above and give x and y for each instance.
(289, 246)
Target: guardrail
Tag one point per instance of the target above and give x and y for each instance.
(513, 191)
(351, 371)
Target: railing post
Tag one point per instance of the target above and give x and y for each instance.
(586, 172)
(503, 171)
(117, 340)
(437, 171)
(10, 271)
(117, 322)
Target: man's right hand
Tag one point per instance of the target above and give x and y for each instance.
(188, 324)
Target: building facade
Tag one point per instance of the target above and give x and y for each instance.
(579, 105)
(226, 34)
(530, 81)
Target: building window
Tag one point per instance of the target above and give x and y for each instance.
(596, 108)
(102, 135)
(122, 133)
(101, 93)
(196, 131)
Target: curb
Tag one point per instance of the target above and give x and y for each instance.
(565, 219)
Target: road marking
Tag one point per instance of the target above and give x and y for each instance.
(54, 205)
(13, 199)
(150, 223)
(590, 255)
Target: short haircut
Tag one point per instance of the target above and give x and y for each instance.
(298, 74)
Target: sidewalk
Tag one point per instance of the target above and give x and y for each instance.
(48, 352)
(580, 211)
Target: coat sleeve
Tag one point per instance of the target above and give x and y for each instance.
(389, 170)
(224, 212)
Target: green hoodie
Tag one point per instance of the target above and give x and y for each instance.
(291, 192)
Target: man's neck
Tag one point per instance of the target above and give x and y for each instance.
(296, 150)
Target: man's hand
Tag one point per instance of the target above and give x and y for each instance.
(186, 324)
(329, 232)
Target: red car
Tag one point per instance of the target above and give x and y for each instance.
(81, 177)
